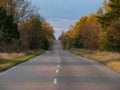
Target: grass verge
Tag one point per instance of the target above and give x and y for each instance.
(8, 60)
(110, 59)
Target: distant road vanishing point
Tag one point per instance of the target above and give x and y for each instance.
(60, 70)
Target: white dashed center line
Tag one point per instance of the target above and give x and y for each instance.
(55, 81)
(58, 66)
(57, 71)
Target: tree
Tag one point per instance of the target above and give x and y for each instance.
(109, 39)
(111, 15)
(35, 33)
(49, 32)
(32, 34)
(77, 29)
(109, 35)
(21, 23)
(105, 5)
(100, 12)
(83, 35)
(8, 27)
(87, 36)
(20, 9)
(49, 35)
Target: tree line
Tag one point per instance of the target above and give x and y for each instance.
(96, 31)
(22, 28)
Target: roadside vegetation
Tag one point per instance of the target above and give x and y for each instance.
(100, 31)
(8, 60)
(22, 29)
(97, 36)
(110, 59)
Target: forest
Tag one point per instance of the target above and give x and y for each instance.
(23, 28)
(100, 31)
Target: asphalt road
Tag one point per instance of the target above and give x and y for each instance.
(60, 70)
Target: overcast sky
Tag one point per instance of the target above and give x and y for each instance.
(63, 13)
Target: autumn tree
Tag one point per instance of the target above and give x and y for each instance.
(19, 19)
(84, 34)
(77, 29)
(67, 38)
(89, 32)
(36, 33)
(49, 34)
(110, 22)
(31, 33)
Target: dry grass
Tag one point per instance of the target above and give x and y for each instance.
(11, 55)
(111, 59)
(8, 60)
(3, 66)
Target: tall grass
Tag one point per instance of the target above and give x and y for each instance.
(8, 60)
(110, 59)
(11, 55)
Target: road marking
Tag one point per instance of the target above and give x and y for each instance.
(57, 71)
(58, 66)
(55, 81)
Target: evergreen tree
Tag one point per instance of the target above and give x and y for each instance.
(8, 29)
(110, 35)
(112, 15)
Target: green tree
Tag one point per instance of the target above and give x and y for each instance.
(8, 27)
(105, 5)
(109, 36)
(100, 12)
(111, 15)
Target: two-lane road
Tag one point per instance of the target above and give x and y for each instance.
(60, 70)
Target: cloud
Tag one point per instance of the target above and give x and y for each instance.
(63, 23)
(63, 13)
(60, 25)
